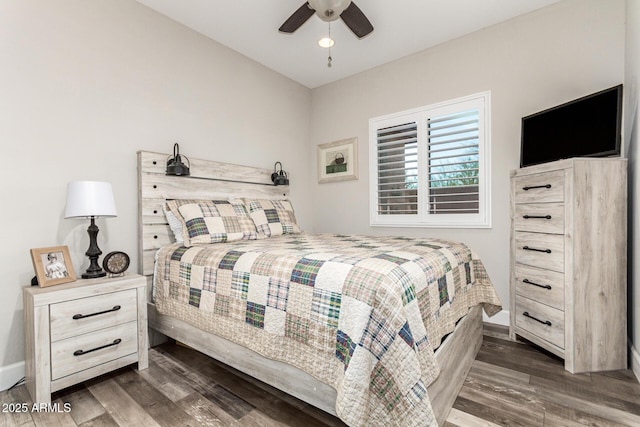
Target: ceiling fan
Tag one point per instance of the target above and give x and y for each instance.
(330, 10)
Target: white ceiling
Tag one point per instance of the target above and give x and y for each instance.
(401, 27)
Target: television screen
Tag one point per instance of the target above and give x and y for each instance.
(586, 127)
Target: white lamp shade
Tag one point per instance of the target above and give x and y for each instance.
(89, 198)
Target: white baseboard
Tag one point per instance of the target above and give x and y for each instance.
(11, 374)
(635, 359)
(500, 318)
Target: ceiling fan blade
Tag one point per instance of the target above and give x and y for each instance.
(298, 18)
(356, 21)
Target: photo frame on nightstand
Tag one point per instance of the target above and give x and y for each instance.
(53, 265)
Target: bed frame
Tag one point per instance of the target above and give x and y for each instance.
(209, 180)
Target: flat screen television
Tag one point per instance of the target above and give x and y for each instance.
(586, 127)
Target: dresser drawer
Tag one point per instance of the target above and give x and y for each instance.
(540, 218)
(80, 316)
(549, 324)
(97, 348)
(545, 251)
(543, 286)
(540, 187)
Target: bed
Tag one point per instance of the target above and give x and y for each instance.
(300, 312)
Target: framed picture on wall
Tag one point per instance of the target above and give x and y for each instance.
(53, 265)
(338, 160)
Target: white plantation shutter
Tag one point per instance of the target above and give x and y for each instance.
(453, 163)
(431, 166)
(397, 151)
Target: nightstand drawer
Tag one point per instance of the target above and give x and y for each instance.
(544, 286)
(540, 250)
(95, 348)
(540, 187)
(540, 320)
(80, 316)
(540, 218)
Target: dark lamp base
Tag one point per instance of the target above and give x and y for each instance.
(94, 275)
(93, 253)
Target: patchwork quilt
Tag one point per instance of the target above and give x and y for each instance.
(362, 314)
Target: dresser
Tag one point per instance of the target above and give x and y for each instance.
(568, 291)
(79, 330)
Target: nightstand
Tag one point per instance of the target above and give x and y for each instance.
(79, 330)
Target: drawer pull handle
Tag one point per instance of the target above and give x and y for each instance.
(527, 248)
(536, 284)
(81, 352)
(526, 314)
(82, 316)
(531, 187)
(536, 216)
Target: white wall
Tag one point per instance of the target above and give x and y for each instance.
(529, 63)
(632, 142)
(84, 85)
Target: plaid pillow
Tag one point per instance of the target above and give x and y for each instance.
(179, 227)
(213, 221)
(272, 217)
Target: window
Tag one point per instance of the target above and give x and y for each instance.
(430, 166)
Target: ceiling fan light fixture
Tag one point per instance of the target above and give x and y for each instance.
(326, 42)
(329, 10)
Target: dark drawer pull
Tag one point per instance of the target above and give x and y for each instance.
(81, 352)
(527, 248)
(536, 284)
(531, 187)
(536, 216)
(82, 316)
(526, 314)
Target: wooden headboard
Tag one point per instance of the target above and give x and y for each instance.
(208, 180)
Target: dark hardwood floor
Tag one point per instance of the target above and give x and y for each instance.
(510, 384)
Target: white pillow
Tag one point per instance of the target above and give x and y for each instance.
(174, 224)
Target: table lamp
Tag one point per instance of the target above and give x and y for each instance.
(91, 199)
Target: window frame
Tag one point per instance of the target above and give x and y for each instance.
(482, 219)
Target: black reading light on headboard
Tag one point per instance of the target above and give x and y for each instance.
(279, 177)
(175, 165)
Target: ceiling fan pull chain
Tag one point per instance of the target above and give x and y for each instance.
(329, 58)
